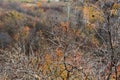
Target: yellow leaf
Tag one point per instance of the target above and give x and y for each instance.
(64, 75)
(90, 26)
(113, 12)
(116, 6)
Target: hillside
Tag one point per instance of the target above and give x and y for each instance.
(76, 40)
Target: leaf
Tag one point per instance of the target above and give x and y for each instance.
(25, 31)
(113, 12)
(34, 60)
(48, 58)
(90, 26)
(64, 75)
(64, 25)
(59, 52)
(39, 4)
(116, 6)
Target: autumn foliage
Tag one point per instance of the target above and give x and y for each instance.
(74, 40)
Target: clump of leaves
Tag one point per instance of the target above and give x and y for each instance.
(114, 10)
(65, 26)
(25, 31)
(11, 21)
(92, 14)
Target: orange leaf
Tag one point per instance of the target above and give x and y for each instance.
(38, 4)
(64, 25)
(59, 52)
